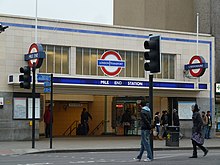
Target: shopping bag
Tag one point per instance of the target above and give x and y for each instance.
(198, 138)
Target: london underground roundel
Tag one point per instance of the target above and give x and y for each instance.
(196, 66)
(111, 63)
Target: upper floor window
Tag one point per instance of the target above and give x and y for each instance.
(57, 59)
(167, 67)
(86, 62)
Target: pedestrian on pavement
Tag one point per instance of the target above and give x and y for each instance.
(164, 124)
(209, 125)
(146, 118)
(176, 122)
(157, 124)
(85, 115)
(47, 115)
(197, 138)
(205, 123)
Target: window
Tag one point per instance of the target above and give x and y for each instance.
(57, 59)
(167, 67)
(86, 62)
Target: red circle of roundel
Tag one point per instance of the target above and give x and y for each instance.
(201, 70)
(34, 45)
(104, 55)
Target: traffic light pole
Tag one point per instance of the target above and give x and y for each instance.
(51, 111)
(151, 107)
(33, 105)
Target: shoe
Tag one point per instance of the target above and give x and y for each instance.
(136, 159)
(194, 156)
(206, 152)
(147, 160)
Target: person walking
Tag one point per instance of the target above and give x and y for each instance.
(197, 138)
(47, 121)
(164, 124)
(85, 115)
(209, 125)
(146, 118)
(157, 124)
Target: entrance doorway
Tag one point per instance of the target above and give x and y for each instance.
(122, 105)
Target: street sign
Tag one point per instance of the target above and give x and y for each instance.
(47, 84)
(43, 77)
(47, 90)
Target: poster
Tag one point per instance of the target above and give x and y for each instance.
(20, 111)
(185, 109)
(37, 108)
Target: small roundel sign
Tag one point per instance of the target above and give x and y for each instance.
(196, 66)
(35, 55)
(111, 63)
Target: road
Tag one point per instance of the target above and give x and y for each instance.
(175, 157)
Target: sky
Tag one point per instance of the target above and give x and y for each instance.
(91, 11)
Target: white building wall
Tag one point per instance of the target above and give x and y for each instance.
(16, 40)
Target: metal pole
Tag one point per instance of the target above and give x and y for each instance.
(197, 34)
(105, 117)
(51, 111)
(36, 23)
(151, 107)
(33, 105)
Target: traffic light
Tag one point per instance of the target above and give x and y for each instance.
(153, 55)
(25, 78)
(2, 28)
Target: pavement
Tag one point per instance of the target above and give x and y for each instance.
(93, 144)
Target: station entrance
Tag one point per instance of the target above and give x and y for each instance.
(128, 106)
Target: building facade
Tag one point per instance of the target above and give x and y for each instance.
(174, 15)
(77, 55)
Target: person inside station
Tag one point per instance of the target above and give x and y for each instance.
(85, 116)
(126, 121)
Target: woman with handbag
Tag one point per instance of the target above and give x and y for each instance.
(197, 136)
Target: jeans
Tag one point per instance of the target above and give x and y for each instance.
(145, 144)
(157, 129)
(207, 134)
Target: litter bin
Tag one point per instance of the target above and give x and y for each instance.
(172, 138)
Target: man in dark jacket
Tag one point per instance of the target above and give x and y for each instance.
(145, 132)
(85, 115)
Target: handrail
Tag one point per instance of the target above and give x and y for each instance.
(70, 129)
(97, 127)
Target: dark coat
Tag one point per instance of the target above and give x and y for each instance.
(176, 121)
(126, 117)
(197, 122)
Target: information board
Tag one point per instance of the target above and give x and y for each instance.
(185, 109)
(20, 111)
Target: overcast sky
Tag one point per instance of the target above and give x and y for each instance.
(95, 11)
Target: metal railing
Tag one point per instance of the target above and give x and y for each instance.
(97, 128)
(71, 128)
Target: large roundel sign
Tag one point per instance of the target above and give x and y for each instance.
(111, 63)
(35, 55)
(196, 66)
